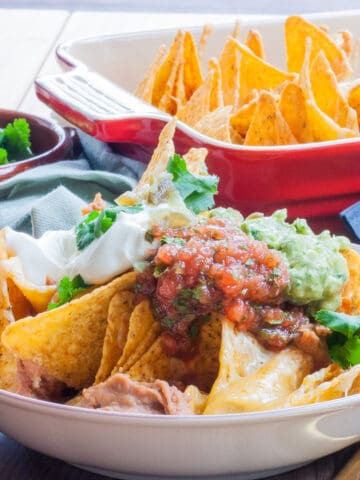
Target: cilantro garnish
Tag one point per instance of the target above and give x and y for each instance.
(96, 223)
(67, 289)
(344, 342)
(197, 191)
(15, 141)
(173, 240)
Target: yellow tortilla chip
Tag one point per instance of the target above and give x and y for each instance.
(38, 296)
(179, 88)
(297, 30)
(292, 106)
(146, 86)
(321, 127)
(199, 104)
(255, 43)
(154, 364)
(168, 103)
(229, 61)
(193, 76)
(120, 308)
(325, 384)
(216, 124)
(279, 376)
(354, 100)
(268, 126)
(67, 341)
(166, 68)
(328, 96)
(241, 120)
(257, 74)
(216, 95)
(350, 296)
(143, 330)
(206, 32)
(205, 364)
(195, 160)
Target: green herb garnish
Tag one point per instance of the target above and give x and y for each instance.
(344, 342)
(15, 141)
(174, 240)
(197, 191)
(96, 223)
(67, 289)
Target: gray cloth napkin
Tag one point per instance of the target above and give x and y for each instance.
(50, 197)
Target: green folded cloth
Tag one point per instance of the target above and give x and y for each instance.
(50, 197)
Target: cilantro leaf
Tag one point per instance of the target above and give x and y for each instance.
(197, 191)
(344, 342)
(96, 223)
(67, 289)
(347, 325)
(15, 139)
(3, 156)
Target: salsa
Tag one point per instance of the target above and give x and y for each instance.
(217, 267)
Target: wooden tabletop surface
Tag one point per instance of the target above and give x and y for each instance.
(28, 37)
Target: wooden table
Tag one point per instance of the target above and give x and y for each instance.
(27, 42)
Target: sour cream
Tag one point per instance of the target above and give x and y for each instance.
(55, 254)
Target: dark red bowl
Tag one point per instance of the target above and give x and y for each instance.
(49, 142)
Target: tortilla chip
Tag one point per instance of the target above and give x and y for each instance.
(354, 100)
(199, 104)
(67, 341)
(195, 161)
(321, 127)
(179, 88)
(164, 150)
(255, 43)
(229, 61)
(216, 95)
(241, 120)
(257, 74)
(146, 86)
(350, 296)
(154, 364)
(216, 124)
(120, 309)
(8, 363)
(168, 102)
(166, 68)
(328, 96)
(26, 292)
(279, 376)
(206, 32)
(193, 76)
(142, 332)
(325, 384)
(205, 365)
(268, 126)
(292, 106)
(297, 30)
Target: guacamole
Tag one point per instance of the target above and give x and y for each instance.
(317, 269)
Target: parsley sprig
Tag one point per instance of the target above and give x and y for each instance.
(15, 141)
(67, 289)
(197, 191)
(96, 223)
(344, 341)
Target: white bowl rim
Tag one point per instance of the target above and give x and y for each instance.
(102, 416)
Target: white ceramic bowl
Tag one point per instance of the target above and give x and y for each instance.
(241, 446)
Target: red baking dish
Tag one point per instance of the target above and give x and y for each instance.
(315, 180)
